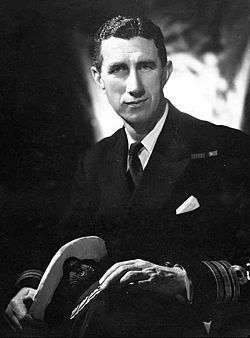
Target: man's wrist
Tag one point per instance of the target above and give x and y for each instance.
(185, 294)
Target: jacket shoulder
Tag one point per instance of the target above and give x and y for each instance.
(96, 154)
(204, 135)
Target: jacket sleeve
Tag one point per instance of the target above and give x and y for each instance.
(219, 282)
(226, 280)
(75, 222)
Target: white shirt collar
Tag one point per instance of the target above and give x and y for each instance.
(150, 139)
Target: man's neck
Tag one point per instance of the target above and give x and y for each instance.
(138, 132)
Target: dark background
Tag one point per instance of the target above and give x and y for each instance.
(46, 109)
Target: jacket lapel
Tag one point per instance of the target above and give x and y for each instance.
(167, 163)
(113, 177)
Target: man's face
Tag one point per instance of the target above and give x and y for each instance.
(133, 78)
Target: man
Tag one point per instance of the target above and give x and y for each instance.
(168, 193)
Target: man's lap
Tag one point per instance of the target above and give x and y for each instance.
(130, 314)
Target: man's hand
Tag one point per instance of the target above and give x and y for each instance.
(18, 307)
(144, 275)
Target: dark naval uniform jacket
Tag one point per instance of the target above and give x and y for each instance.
(191, 158)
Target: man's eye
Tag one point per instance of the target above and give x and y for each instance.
(147, 66)
(118, 69)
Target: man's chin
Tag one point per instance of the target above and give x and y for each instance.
(136, 121)
(140, 126)
(135, 115)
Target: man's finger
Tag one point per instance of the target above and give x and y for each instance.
(133, 276)
(20, 310)
(13, 322)
(115, 267)
(116, 275)
(145, 284)
(16, 322)
(9, 323)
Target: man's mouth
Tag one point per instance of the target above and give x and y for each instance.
(136, 103)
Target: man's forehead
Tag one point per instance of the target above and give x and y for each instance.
(116, 49)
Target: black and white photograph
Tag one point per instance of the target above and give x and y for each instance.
(125, 168)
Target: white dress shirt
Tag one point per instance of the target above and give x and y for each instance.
(149, 140)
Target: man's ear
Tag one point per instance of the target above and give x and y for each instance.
(167, 71)
(97, 77)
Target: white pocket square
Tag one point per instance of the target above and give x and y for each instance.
(190, 204)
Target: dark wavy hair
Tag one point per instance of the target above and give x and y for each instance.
(127, 27)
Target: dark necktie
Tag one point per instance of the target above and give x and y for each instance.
(135, 167)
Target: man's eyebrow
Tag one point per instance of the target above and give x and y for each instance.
(149, 62)
(116, 65)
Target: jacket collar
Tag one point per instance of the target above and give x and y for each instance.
(167, 163)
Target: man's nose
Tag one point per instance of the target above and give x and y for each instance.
(134, 85)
